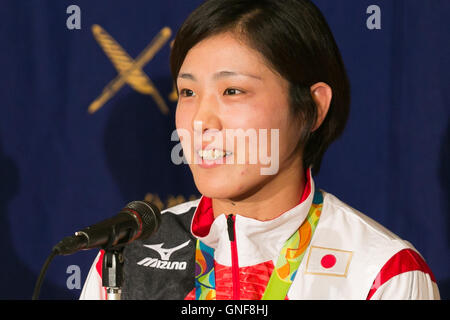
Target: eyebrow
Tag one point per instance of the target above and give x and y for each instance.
(219, 75)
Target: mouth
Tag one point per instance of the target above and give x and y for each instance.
(211, 158)
(213, 154)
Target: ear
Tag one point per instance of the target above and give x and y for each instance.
(322, 95)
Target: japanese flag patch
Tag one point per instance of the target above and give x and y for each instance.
(328, 261)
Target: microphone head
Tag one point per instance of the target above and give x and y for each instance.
(149, 216)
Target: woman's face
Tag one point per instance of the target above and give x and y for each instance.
(227, 93)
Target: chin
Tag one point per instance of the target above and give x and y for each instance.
(214, 189)
(227, 185)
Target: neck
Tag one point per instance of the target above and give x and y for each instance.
(277, 196)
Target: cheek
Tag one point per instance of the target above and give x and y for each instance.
(289, 137)
(251, 116)
(180, 118)
(184, 131)
(183, 118)
(283, 135)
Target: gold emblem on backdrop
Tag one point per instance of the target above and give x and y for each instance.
(130, 70)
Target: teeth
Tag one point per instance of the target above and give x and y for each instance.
(212, 154)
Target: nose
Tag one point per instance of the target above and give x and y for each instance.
(207, 116)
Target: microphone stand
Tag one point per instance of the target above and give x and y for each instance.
(112, 272)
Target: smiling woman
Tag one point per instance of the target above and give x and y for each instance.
(223, 97)
(293, 40)
(243, 69)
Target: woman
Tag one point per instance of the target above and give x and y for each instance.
(268, 69)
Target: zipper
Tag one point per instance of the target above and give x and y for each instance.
(234, 257)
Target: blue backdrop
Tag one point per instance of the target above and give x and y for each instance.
(63, 168)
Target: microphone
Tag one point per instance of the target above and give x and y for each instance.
(138, 220)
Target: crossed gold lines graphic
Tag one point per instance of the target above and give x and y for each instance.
(130, 71)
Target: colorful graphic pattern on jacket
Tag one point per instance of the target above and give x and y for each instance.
(285, 270)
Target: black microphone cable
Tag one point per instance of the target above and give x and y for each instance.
(41, 277)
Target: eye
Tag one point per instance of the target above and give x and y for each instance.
(232, 91)
(187, 93)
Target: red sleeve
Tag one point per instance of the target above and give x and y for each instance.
(403, 261)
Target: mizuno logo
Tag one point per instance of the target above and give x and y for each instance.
(165, 254)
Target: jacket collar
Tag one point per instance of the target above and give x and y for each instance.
(254, 236)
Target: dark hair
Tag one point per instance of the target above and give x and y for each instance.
(295, 40)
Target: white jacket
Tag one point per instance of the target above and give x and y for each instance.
(350, 256)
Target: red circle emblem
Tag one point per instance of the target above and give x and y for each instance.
(328, 261)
